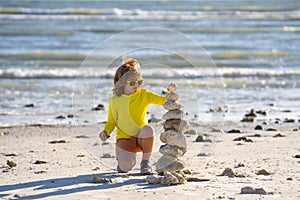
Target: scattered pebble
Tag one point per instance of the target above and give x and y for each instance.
(57, 141)
(289, 121)
(243, 139)
(40, 172)
(278, 135)
(11, 163)
(107, 155)
(154, 120)
(31, 105)
(228, 172)
(250, 190)
(97, 179)
(191, 132)
(3, 133)
(271, 129)
(297, 156)
(61, 117)
(289, 179)
(202, 154)
(98, 107)
(258, 127)
(39, 162)
(10, 154)
(255, 135)
(239, 165)
(263, 172)
(202, 138)
(80, 155)
(235, 131)
(82, 136)
(17, 196)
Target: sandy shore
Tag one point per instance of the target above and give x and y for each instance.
(54, 162)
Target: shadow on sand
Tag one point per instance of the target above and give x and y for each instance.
(58, 184)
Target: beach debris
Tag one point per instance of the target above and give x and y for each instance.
(82, 136)
(235, 131)
(4, 133)
(258, 127)
(239, 165)
(263, 172)
(243, 139)
(289, 120)
(11, 164)
(38, 162)
(202, 138)
(278, 135)
(17, 196)
(250, 190)
(97, 179)
(271, 129)
(61, 117)
(10, 154)
(107, 155)
(98, 107)
(40, 172)
(31, 105)
(250, 117)
(57, 141)
(229, 172)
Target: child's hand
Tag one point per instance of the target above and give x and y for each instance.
(172, 87)
(103, 136)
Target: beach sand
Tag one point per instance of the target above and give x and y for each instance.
(66, 167)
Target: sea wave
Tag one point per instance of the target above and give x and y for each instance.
(154, 73)
(139, 14)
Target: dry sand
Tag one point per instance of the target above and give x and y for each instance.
(70, 167)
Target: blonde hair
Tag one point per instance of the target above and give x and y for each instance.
(128, 67)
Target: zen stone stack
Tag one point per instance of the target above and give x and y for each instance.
(170, 164)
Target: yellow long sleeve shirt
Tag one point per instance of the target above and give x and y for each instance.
(128, 112)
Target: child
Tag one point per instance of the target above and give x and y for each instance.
(127, 112)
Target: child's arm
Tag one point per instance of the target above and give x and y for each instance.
(110, 124)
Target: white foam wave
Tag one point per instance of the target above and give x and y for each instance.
(154, 73)
(138, 14)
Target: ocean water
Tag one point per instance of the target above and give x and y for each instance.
(59, 57)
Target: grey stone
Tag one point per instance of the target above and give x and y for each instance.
(250, 190)
(172, 96)
(173, 114)
(180, 177)
(169, 163)
(172, 105)
(169, 178)
(179, 125)
(154, 179)
(172, 150)
(174, 138)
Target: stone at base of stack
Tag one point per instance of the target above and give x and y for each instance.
(169, 166)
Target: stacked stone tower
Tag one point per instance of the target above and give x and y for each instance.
(170, 164)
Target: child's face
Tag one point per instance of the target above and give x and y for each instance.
(133, 83)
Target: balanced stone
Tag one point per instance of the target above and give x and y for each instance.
(180, 177)
(172, 105)
(169, 163)
(177, 125)
(172, 150)
(153, 179)
(175, 138)
(169, 178)
(172, 96)
(173, 114)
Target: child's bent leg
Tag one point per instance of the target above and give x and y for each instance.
(146, 140)
(126, 159)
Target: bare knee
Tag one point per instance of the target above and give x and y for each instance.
(126, 162)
